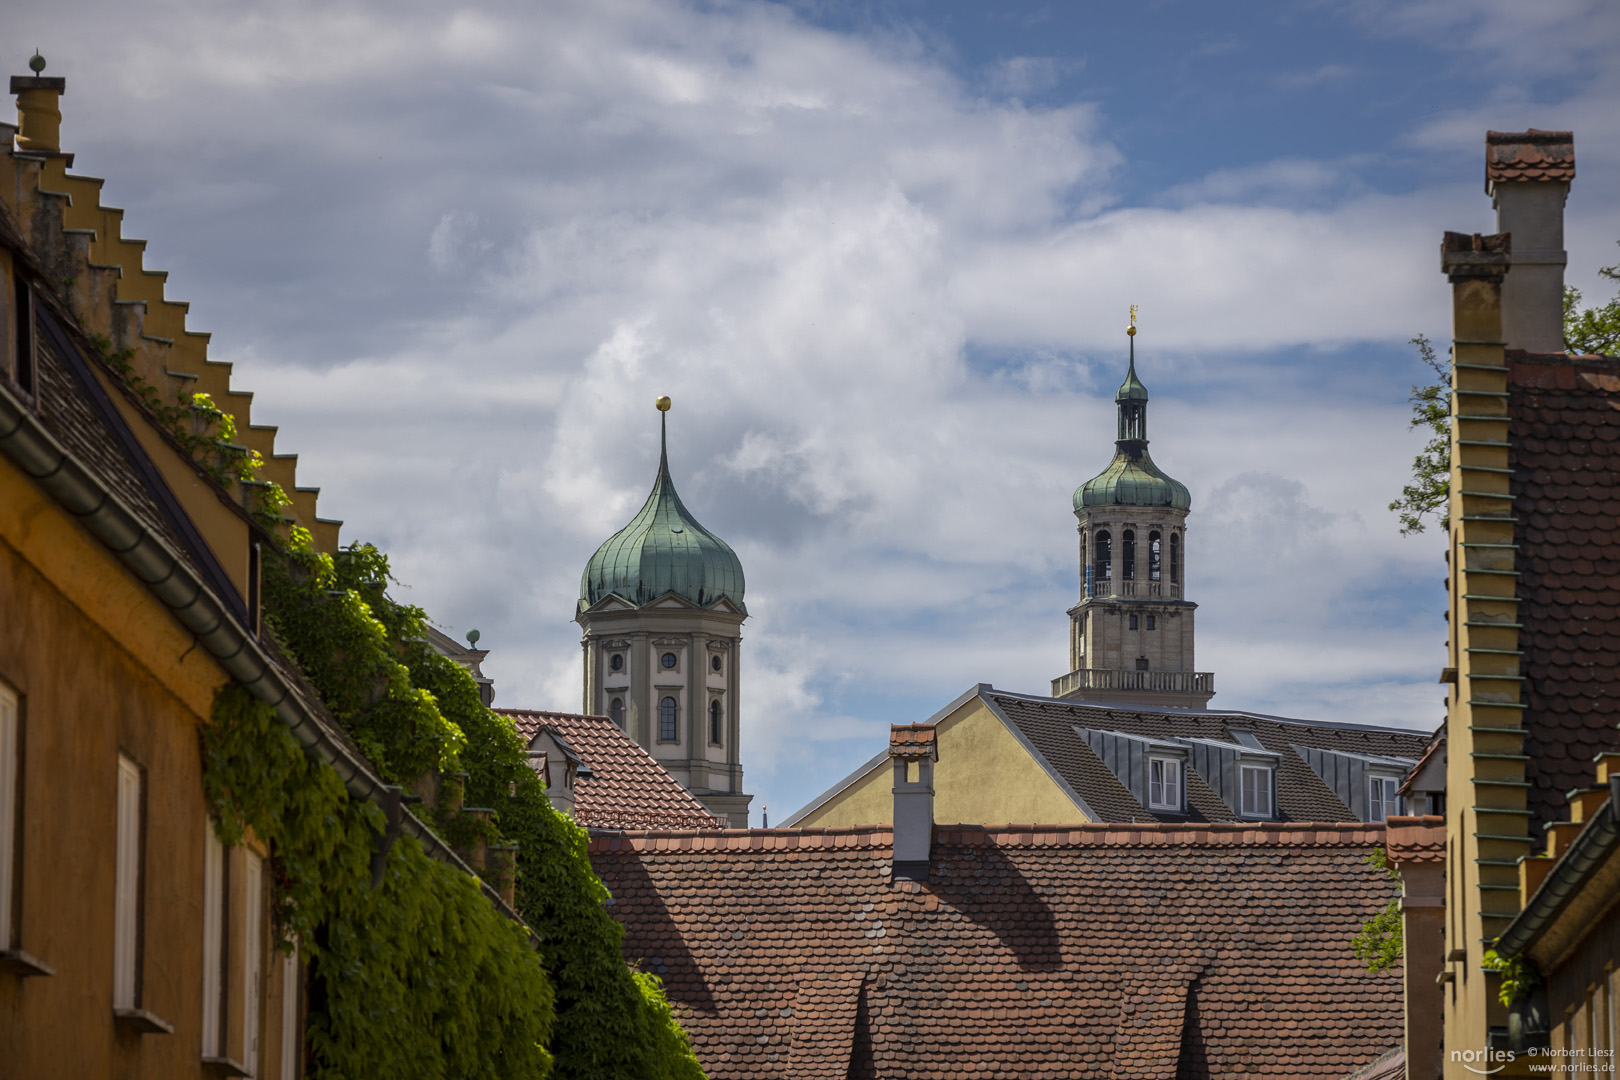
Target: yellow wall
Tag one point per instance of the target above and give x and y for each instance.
(984, 777)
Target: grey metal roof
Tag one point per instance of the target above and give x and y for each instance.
(663, 550)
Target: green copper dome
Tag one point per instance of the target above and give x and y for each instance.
(1132, 479)
(663, 550)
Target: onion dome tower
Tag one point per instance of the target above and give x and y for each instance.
(661, 604)
(1131, 634)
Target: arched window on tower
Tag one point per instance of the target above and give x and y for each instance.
(1128, 556)
(1175, 557)
(1103, 568)
(715, 716)
(1155, 555)
(666, 720)
(616, 711)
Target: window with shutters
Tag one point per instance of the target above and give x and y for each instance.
(215, 928)
(127, 887)
(252, 957)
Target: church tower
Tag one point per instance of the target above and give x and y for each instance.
(661, 603)
(1131, 634)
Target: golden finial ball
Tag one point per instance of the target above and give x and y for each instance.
(1130, 331)
(662, 403)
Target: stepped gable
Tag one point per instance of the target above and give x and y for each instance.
(1301, 793)
(1032, 950)
(627, 788)
(77, 244)
(1564, 450)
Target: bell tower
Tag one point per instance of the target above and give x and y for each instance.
(1131, 634)
(661, 605)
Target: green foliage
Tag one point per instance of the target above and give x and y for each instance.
(1428, 493)
(1594, 330)
(421, 977)
(412, 709)
(205, 432)
(1518, 976)
(1381, 943)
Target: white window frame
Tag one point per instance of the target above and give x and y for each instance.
(252, 958)
(127, 887)
(1169, 783)
(1254, 808)
(1387, 801)
(10, 769)
(216, 898)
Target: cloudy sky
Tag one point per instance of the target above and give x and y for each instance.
(880, 254)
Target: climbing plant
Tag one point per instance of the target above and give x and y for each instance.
(1517, 974)
(414, 711)
(1380, 942)
(419, 976)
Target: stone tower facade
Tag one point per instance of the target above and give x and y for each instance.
(1131, 633)
(661, 604)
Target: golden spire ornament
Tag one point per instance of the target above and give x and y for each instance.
(1131, 329)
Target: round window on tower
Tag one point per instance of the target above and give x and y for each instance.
(669, 660)
(616, 662)
(714, 663)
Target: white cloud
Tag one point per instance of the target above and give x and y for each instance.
(457, 252)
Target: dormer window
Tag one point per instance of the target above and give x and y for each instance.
(1254, 791)
(1382, 802)
(1164, 784)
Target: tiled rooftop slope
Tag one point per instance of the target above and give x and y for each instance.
(1529, 155)
(1564, 432)
(1090, 950)
(628, 789)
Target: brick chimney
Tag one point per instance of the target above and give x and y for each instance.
(1527, 176)
(39, 114)
(913, 750)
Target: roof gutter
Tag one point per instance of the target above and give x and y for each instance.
(78, 491)
(1591, 846)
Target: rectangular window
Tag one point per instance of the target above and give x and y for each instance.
(1255, 782)
(1381, 798)
(10, 767)
(127, 888)
(215, 929)
(1164, 784)
(22, 312)
(1153, 622)
(252, 956)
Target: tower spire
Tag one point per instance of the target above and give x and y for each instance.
(663, 433)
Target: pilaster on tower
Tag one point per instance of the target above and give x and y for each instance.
(1131, 633)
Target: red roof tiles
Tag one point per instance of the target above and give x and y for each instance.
(1085, 950)
(1416, 839)
(912, 740)
(1536, 156)
(628, 789)
(1564, 436)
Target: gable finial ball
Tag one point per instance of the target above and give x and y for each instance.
(662, 403)
(36, 63)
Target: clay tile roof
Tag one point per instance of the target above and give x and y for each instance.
(1416, 839)
(1535, 156)
(912, 740)
(1144, 949)
(628, 789)
(1564, 450)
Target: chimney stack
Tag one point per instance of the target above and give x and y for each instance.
(39, 115)
(912, 748)
(1527, 176)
